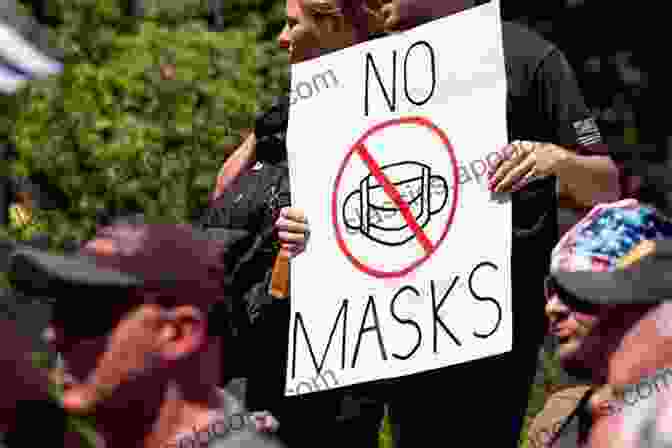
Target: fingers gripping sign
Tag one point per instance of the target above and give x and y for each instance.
(524, 162)
(293, 230)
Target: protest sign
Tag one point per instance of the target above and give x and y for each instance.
(408, 267)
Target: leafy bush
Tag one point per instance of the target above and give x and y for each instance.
(145, 111)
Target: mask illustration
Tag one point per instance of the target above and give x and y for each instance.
(375, 215)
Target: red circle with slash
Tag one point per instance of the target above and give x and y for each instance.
(374, 168)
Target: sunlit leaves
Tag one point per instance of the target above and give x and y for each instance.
(110, 133)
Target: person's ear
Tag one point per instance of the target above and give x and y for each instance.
(183, 332)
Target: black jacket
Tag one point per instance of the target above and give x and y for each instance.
(252, 205)
(250, 208)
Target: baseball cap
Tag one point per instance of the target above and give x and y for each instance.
(178, 259)
(619, 253)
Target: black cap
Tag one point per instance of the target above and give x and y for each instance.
(130, 255)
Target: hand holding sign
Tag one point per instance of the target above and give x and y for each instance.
(293, 233)
(525, 162)
(293, 230)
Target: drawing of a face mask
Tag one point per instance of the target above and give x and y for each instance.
(370, 210)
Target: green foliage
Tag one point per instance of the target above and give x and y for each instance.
(113, 134)
(545, 385)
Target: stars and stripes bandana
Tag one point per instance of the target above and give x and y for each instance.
(607, 234)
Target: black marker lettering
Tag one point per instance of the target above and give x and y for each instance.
(370, 304)
(433, 68)
(391, 104)
(299, 320)
(485, 299)
(435, 313)
(406, 321)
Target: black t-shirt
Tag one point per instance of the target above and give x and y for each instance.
(544, 101)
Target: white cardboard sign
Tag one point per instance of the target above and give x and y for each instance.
(408, 266)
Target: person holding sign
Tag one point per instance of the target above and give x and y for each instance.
(556, 145)
(250, 194)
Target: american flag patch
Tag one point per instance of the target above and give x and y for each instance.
(587, 132)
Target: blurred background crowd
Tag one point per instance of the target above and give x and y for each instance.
(102, 102)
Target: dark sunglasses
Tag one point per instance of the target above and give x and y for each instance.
(96, 316)
(552, 288)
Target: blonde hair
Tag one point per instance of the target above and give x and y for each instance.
(364, 15)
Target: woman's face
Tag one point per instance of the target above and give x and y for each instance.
(306, 38)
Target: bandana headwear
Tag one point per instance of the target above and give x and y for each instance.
(609, 237)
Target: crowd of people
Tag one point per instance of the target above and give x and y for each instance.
(152, 321)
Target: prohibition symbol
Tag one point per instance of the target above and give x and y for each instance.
(392, 204)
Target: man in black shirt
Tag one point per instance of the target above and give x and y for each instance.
(544, 105)
(564, 156)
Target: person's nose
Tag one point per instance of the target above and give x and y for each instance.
(555, 309)
(283, 38)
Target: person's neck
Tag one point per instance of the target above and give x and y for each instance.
(181, 415)
(169, 408)
(178, 412)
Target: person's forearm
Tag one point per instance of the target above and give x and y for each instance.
(238, 162)
(242, 158)
(589, 180)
